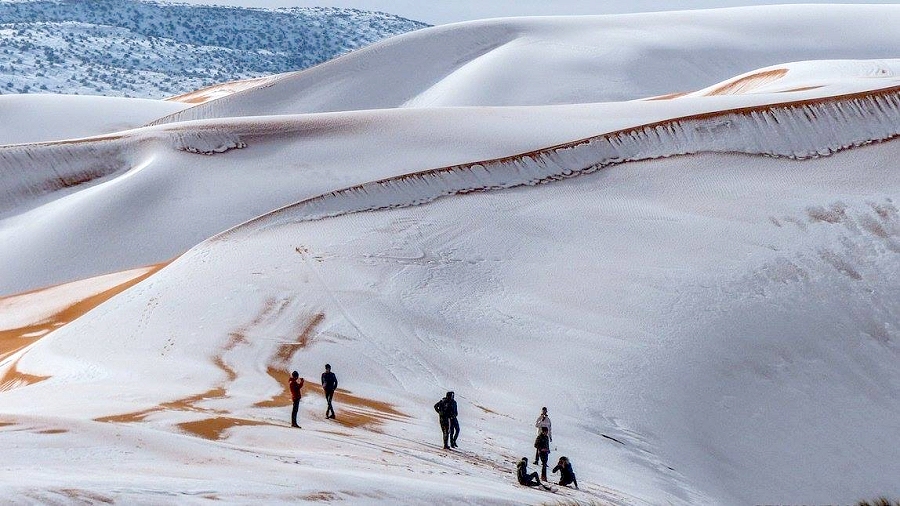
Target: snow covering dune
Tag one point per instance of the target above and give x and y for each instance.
(40, 118)
(568, 60)
(701, 287)
(820, 75)
(156, 175)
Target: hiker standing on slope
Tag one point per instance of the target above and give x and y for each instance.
(543, 420)
(446, 410)
(542, 445)
(295, 387)
(329, 384)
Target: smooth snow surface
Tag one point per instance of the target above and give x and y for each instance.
(40, 118)
(694, 268)
(569, 60)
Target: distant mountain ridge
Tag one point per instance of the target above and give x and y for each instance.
(154, 50)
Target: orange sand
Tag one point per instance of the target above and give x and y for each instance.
(13, 340)
(216, 91)
(749, 83)
(277, 370)
(804, 88)
(212, 428)
(669, 96)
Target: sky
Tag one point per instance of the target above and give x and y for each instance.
(451, 11)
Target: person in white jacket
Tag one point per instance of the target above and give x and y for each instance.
(543, 421)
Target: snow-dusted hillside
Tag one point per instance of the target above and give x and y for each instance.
(151, 49)
(568, 60)
(698, 281)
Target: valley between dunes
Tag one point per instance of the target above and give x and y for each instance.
(678, 231)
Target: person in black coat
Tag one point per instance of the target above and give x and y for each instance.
(447, 413)
(542, 445)
(566, 474)
(329, 384)
(524, 478)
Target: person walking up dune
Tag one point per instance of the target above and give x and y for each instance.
(447, 413)
(543, 420)
(295, 387)
(329, 384)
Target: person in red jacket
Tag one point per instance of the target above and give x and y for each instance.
(295, 387)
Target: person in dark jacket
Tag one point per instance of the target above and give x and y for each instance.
(566, 474)
(295, 387)
(543, 420)
(447, 412)
(529, 480)
(542, 444)
(329, 384)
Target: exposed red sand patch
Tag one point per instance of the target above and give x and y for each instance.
(549, 152)
(278, 369)
(188, 403)
(52, 431)
(486, 410)
(669, 96)
(218, 424)
(212, 428)
(353, 410)
(15, 379)
(322, 495)
(81, 496)
(216, 91)
(12, 340)
(185, 404)
(804, 88)
(748, 83)
(304, 337)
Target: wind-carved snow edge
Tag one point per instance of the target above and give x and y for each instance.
(795, 130)
(41, 170)
(206, 142)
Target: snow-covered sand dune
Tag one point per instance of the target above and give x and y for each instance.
(710, 319)
(40, 118)
(796, 130)
(568, 60)
(157, 174)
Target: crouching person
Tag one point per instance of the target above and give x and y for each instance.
(566, 474)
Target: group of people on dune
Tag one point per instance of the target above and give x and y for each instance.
(448, 412)
(447, 415)
(542, 454)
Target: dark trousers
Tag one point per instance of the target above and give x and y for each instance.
(544, 456)
(445, 429)
(454, 431)
(329, 394)
(566, 480)
(531, 480)
(294, 412)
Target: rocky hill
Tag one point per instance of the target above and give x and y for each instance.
(149, 49)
